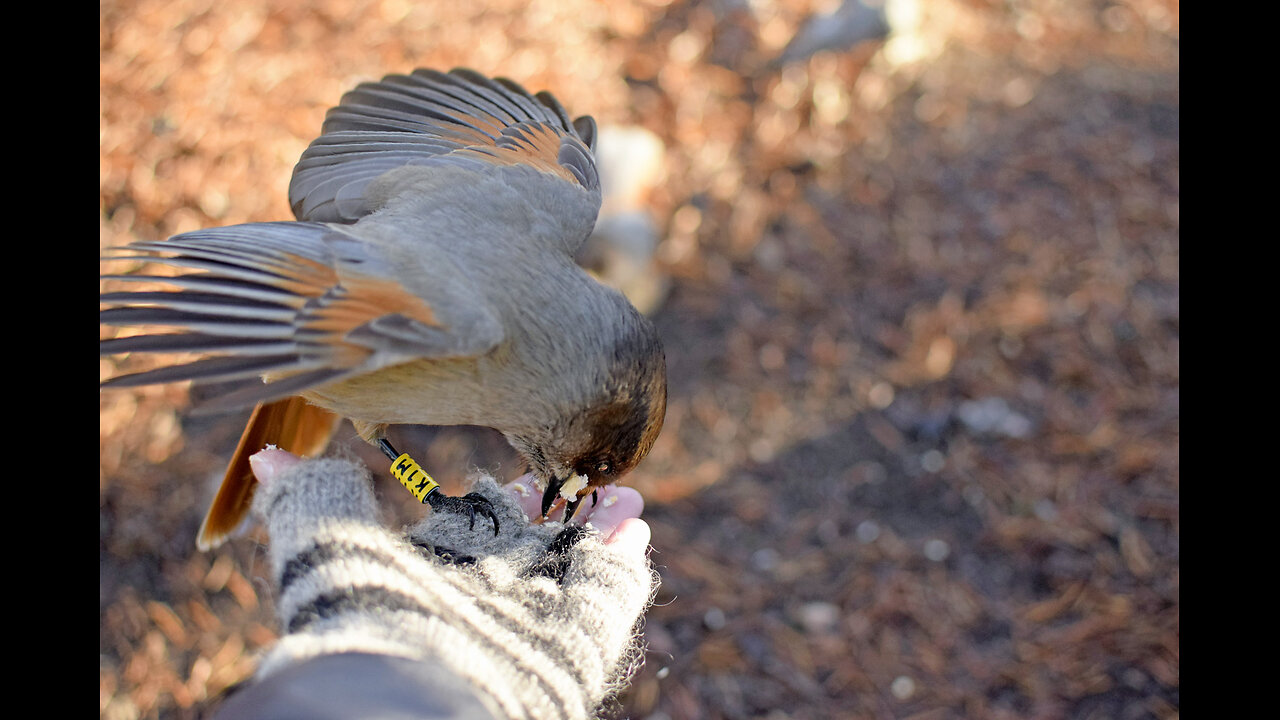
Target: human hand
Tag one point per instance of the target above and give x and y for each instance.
(616, 515)
(537, 621)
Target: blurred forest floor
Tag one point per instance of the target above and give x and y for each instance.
(921, 457)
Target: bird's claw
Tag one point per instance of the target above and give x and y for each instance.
(469, 505)
(447, 555)
(554, 563)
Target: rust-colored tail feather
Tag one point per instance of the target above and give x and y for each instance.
(291, 424)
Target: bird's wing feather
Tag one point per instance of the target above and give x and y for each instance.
(302, 302)
(429, 118)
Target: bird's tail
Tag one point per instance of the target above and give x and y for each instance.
(291, 424)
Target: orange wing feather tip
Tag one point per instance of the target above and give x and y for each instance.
(291, 423)
(229, 514)
(211, 538)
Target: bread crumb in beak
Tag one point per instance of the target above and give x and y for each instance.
(569, 491)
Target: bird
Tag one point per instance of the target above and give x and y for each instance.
(428, 278)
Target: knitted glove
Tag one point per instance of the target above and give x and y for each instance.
(541, 619)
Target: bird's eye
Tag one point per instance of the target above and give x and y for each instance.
(603, 467)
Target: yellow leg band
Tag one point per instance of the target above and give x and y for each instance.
(413, 477)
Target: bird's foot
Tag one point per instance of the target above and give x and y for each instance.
(470, 505)
(447, 555)
(555, 563)
(417, 481)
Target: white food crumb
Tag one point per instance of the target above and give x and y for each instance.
(521, 488)
(610, 500)
(569, 491)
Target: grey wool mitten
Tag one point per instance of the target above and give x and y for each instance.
(539, 620)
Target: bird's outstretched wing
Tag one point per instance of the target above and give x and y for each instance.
(309, 303)
(302, 303)
(428, 117)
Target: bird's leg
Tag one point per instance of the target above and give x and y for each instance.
(427, 490)
(368, 431)
(555, 563)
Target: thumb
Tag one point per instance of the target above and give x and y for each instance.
(269, 463)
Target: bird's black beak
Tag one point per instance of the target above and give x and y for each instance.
(549, 497)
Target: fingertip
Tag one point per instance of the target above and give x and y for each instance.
(631, 536)
(616, 504)
(268, 463)
(526, 494)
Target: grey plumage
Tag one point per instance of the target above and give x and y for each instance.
(418, 119)
(429, 278)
